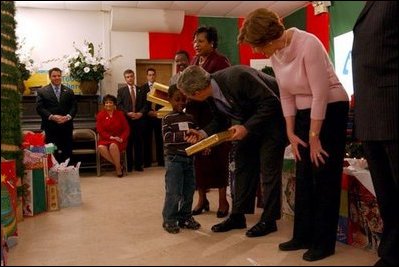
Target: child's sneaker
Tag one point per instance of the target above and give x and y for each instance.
(190, 223)
(171, 228)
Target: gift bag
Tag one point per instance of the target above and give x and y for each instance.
(34, 201)
(68, 179)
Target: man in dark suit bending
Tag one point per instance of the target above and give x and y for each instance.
(250, 98)
(57, 106)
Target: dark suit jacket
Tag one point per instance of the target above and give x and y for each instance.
(47, 104)
(124, 101)
(375, 57)
(250, 93)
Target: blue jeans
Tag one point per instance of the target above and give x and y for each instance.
(179, 188)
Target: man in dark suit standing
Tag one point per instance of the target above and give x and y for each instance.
(375, 58)
(153, 125)
(250, 97)
(132, 101)
(57, 106)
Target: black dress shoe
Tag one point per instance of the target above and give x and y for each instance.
(317, 254)
(293, 244)
(205, 206)
(229, 224)
(261, 229)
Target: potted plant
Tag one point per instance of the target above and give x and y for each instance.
(87, 68)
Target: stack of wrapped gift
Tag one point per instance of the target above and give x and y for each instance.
(159, 95)
(33, 182)
(9, 183)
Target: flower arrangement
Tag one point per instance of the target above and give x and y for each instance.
(24, 72)
(84, 65)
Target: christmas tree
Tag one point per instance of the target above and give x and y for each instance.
(10, 96)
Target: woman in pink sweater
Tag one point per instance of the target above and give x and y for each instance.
(315, 107)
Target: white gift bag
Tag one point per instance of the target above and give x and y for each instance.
(68, 179)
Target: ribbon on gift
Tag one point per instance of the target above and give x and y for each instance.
(33, 139)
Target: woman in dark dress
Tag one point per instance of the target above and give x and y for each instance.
(211, 170)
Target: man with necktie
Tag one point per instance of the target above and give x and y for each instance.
(56, 104)
(250, 97)
(153, 125)
(132, 101)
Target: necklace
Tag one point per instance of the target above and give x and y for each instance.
(201, 61)
(281, 57)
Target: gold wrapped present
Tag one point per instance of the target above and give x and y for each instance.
(163, 111)
(159, 95)
(52, 196)
(212, 140)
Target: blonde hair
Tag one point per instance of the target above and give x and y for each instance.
(260, 27)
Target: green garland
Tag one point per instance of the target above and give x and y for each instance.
(10, 97)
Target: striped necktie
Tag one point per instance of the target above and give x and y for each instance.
(57, 92)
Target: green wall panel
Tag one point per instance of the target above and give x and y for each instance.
(343, 15)
(296, 19)
(227, 34)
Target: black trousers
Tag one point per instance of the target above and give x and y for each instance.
(153, 127)
(318, 189)
(134, 149)
(256, 154)
(62, 138)
(382, 159)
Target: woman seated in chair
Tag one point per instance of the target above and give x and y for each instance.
(113, 131)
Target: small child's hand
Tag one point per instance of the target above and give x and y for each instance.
(192, 136)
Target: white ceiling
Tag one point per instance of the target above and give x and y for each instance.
(196, 8)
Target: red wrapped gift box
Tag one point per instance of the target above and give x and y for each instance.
(9, 201)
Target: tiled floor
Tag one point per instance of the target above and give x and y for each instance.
(120, 221)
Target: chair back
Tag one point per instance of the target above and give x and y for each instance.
(85, 143)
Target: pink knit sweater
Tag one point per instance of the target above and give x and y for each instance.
(305, 76)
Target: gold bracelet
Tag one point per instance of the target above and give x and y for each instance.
(313, 134)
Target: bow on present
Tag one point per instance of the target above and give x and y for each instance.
(33, 139)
